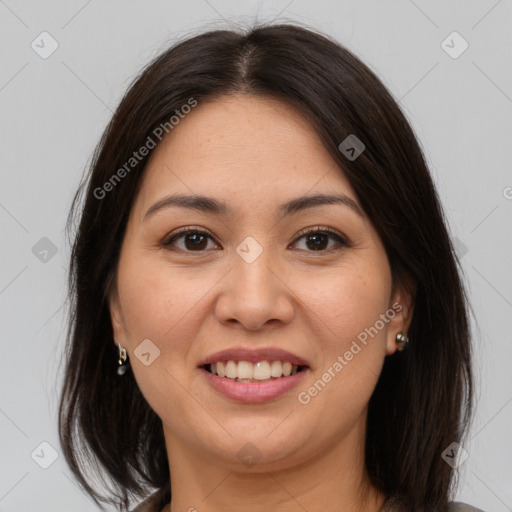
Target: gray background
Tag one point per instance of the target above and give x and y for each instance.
(54, 110)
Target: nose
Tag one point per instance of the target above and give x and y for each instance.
(255, 293)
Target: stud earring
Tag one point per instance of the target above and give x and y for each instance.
(401, 341)
(122, 361)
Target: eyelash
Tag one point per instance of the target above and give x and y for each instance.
(342, 241)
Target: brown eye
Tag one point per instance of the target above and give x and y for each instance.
(317, 239)
(193, 240)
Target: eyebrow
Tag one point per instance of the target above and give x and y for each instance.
(210, 205)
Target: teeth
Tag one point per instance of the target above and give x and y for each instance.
(231, 370)
(276, 369)
(261, 370)
(220, 370)
(245, 371)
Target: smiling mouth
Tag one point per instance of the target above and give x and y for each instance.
(245, 371)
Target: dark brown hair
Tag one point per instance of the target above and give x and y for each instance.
(423, 399)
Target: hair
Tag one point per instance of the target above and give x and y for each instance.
(423, 399)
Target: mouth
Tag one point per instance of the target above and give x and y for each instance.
(247, 375)
(249, 372)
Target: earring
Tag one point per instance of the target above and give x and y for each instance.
(401, 341)
(122, 361)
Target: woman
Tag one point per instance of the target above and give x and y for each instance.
(262, 252)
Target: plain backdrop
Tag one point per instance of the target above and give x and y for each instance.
(55, 107)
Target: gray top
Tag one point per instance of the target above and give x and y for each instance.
(390, 505)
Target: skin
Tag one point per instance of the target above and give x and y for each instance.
(255, 153)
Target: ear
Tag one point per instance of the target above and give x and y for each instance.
(117, 319)
(402, 303)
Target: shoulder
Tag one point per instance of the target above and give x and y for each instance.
(457, 506)
(393, 505)
(150, 505)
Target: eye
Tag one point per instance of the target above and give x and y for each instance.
(317, 238)
(195, 240)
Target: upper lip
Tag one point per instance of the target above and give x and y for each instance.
(254, 356)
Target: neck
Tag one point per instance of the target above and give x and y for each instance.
(333, 481)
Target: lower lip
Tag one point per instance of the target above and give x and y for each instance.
(253, 392)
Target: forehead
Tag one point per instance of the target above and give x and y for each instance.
(242, 146)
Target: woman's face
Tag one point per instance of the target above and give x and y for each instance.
(253, 282)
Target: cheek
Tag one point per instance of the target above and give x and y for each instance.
(159, 304)
(348, 304)
(157, 298)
